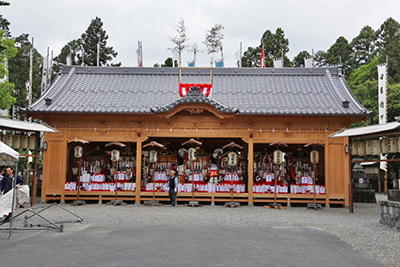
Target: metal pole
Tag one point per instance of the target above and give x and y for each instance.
(275, 178)
(34, 184)
(13, 200)
(79, 180)
(351, 207)
(315, 200)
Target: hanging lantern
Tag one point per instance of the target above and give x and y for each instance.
(392, 146)
(361, 148)
(354, 149)
(314, 157)
(278, 157)
(368, 149)
(17, 141)
(232, 159)
(24, 142)
(153, 156)
(32, 142)
(8, 140)
(78, 152)
(384, 147)
(398, 144)
(115, 155)
(375, 147)
(192, 154)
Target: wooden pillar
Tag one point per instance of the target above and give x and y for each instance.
(34, 183)
(138, 168)
(386, 180)
(251, 170)
(327, 171)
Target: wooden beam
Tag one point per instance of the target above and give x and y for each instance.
(251, 168)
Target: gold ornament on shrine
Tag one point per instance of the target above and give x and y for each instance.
(278, 157)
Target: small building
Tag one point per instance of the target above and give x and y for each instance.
(250, 108)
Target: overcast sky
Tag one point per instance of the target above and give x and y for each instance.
(308, 24)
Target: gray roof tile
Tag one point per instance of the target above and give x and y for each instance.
(284, 91)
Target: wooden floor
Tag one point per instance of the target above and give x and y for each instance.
(288, 199)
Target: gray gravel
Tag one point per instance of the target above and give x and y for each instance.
(360, 229)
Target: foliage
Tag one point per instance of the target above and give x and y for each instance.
(19, 70)
(392, 49)
(363, 47)
(386, 32)
(182, 36)
(214, 37)
(320, 59)
(167, 63)
(251, 57)
(274, 45)
(339, 54)
(298, 61)
(7, 51)
(84, 49)
(367, 94)
(364, 73)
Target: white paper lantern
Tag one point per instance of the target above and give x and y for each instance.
(384, 147)
(78, 152)
(8, 140)
(314, 157)
(368, 149)
(32, 142)
(192, 154)
(375, 147)
(392, 144)
(232, 159)
(153, 156)
(115, 155)
(278, 157)
(361, 148)
(354, 149)
(17, 141)
(24, 141)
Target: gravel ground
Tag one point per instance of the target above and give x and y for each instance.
(360, 229)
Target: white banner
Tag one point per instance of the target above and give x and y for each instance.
(382, 102)
(382, 93)
(175, 59)
(139, 53)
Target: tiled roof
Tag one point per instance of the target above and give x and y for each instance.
(283, 91)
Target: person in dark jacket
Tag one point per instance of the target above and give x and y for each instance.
(6, 183)
(173, 187)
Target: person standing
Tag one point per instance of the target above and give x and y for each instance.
(6, 183)
(173, 187)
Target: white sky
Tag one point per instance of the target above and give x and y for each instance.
(309, 24)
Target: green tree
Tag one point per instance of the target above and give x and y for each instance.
(392, 50)
(167, 63)
(7, 51)
(4, 26)
(251, 57)
(19, 67)
(339, 53)
(320, 59)
(298, 61)
(182, 36)
(363, 47)
(367, 94)
(386, 32)
(368, 72)
(84, 49)
(274, 45)
(214, 37)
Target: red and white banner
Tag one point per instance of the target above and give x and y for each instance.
(184, 88)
